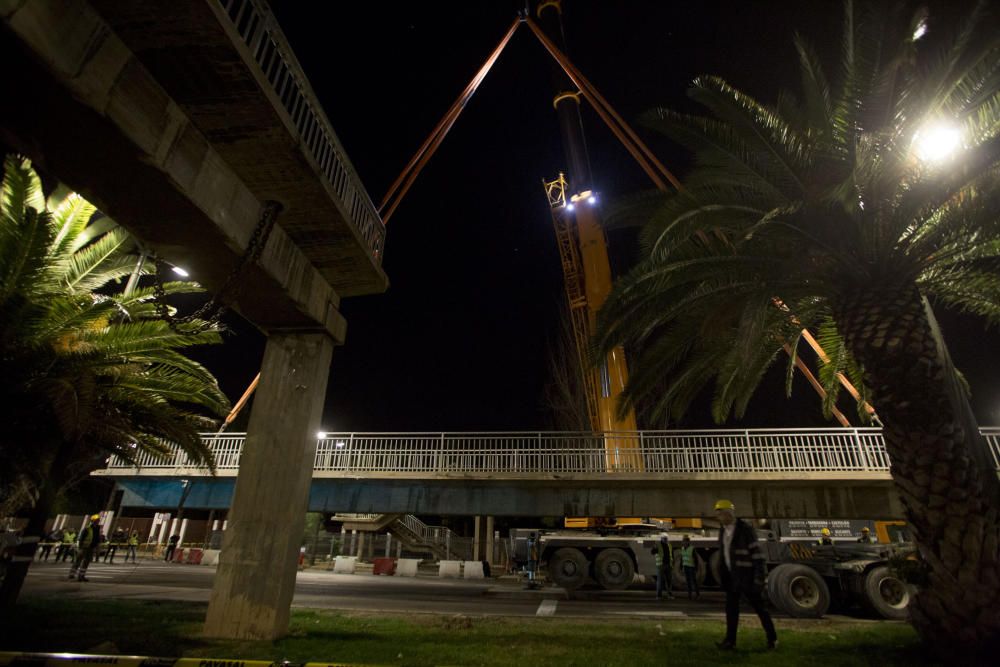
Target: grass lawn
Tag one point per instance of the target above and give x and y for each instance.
(172, 629)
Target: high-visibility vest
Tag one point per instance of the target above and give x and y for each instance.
(133, 541)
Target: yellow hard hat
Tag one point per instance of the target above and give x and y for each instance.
(723, 504)
(826, 531)
(95, 517)
(865, 530)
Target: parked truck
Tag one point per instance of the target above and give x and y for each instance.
(803, 577)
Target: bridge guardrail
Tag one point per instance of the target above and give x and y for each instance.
(260, 32)
(691, 451)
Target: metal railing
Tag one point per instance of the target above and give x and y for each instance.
(552, 453)
(257, 27)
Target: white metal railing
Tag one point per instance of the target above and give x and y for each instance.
(547, 453)
(257, 27)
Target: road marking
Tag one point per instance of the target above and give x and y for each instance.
(547, 608)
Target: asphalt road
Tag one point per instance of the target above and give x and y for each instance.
(155, 580)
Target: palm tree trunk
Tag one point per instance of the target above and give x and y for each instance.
(10, 589)
(939, 464)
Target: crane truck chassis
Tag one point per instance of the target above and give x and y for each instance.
(803, 578)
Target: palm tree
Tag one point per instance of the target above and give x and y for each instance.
(88, 372)
(828, 214)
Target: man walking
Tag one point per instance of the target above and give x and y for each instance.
(90, 539)
(742, 570)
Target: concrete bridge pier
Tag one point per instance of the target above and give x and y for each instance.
(252, 593)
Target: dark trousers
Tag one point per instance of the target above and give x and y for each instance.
(171, 548)
(736, 588)
(110, 555)
(81, 563)
(46, 550)
(130, 552)
(691, 577)
(663, 582)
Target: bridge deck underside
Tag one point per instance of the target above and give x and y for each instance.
(818, 497)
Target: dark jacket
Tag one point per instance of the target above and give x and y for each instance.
(746, 557)
(90, 537)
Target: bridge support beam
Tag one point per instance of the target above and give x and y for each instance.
(255, 580)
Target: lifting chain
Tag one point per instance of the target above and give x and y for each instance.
(212, 311)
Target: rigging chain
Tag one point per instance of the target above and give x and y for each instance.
(213, 309)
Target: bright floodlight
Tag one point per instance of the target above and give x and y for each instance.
(920, 31)
(937, 142)
(179, 271)
(321, 435)
(591, 200)
(570, 207)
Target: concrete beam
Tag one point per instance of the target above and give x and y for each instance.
(111, 131)
(776, 498)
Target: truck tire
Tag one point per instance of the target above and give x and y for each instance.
(614, 569)
(798, 590)
(886, 594)
(568, 567)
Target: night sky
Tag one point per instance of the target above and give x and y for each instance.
(459, 340)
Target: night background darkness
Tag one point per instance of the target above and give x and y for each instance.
(459, 340)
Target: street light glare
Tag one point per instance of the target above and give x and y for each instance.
(937, 142)
(179, 271)
(321, 435)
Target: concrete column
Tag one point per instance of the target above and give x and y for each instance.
(343, 541)
(225, 524)
(361, 545)
(371, 546)
(490, 541)
(182, 531)
(255, 580)
(164, 528)
(399, 549)
(354, 544)
(388, 544)
(476, 541)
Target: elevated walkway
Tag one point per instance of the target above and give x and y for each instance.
(777, 473)
(204, 110)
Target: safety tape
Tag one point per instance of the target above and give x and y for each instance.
(13, 659)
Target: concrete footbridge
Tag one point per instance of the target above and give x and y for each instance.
(776, 473)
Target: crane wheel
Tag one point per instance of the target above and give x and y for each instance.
(886, 594)
(798, 590)
(614, 569)
(568, 568)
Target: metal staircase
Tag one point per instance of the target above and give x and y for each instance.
(439, 542)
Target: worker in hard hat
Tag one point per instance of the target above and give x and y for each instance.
(742, 569)
(866, 536)
(824, 538)
(87, 544)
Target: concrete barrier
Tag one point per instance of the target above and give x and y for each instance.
(407, 567)
(473, 569)
(210, 557)
(450, 568)
(344, 564)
